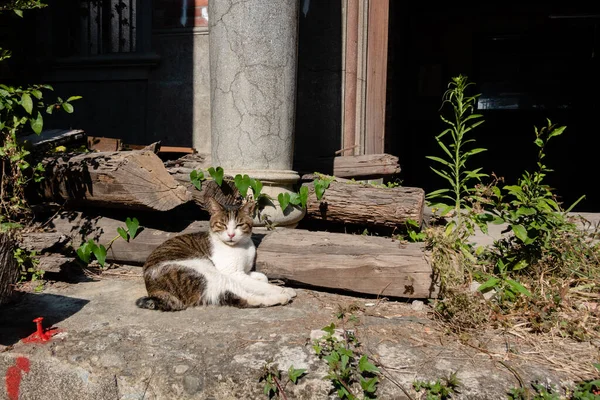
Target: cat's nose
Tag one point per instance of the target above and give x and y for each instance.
(231, 235)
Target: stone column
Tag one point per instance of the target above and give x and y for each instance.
(253, 93)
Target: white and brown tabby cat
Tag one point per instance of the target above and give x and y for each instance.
(210, 267)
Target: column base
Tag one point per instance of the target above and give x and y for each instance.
(274, 182)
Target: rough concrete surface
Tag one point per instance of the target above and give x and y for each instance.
(109, 349)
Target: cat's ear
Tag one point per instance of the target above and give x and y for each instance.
(214, 206)
(248, 208)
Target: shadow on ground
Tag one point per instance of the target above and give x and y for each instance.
(16, 318)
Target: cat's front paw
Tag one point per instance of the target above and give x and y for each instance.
(289, 292)
(259, 276)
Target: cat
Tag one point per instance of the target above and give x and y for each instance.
(211, 267)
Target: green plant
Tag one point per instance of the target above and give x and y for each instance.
(530, 209)
(197, 177)
(321, 184)
(347, 365)
(216, 174)
(297, 199)
(245, 182)
(21, 108)
(273, 385)
(452, 253)
(453, 168)
(17, 6)
(99, 251)
(413, 231)
(440, 389)
(28, 263)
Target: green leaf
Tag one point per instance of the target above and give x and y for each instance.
(440, 160)
(475, 151)
(520, 265)
(67, 107)
(256, 187)
(132, 226)
(526, 211)
(329, 328)
(303, 193)
(320, 186)
(49, 109)
(294, 373)
(196, 177)
(539, 142)
(490, 283)
(19, 13)
(122, 233)
(284, 200)
(83, 252)
(520, 232)
(100, 253)
(27, 103)
(444, 175)
(217, 175)
(37, 124)
(518, 288)
(557, 131)
(37, 94)
(369, 385)
(242, 183)
(365, 366)
(294, 199)
(73, 98)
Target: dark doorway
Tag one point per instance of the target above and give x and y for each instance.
(529, 62)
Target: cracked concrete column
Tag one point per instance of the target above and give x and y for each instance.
(253, 93)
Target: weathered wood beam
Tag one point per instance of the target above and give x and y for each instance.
(354, 263)
(361, 166)
(80, 228)
(121, 179)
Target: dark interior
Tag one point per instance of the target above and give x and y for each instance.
(529, 62)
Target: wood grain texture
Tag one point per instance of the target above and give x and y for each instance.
(361, 166)
(360, 264)
(122, 179)
(365, 204)
(376, 75)
(368, 165)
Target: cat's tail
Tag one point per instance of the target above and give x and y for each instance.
(160, 303)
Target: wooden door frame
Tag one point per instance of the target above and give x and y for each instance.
(365, 38)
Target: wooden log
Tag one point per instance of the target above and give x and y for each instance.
(122, 179)
(354, 263)
(80, 228)
(364, 204)
(9, 270)
(362, 166)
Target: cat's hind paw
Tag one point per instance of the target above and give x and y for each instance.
(289, 292)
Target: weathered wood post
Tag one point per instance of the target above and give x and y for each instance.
(9, 270)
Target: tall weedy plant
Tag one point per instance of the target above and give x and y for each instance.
(454, 143)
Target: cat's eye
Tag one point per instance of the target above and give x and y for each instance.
(240, 225)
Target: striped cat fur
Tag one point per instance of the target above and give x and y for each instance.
(211, 267)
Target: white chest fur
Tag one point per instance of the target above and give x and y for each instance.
(233, 259)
